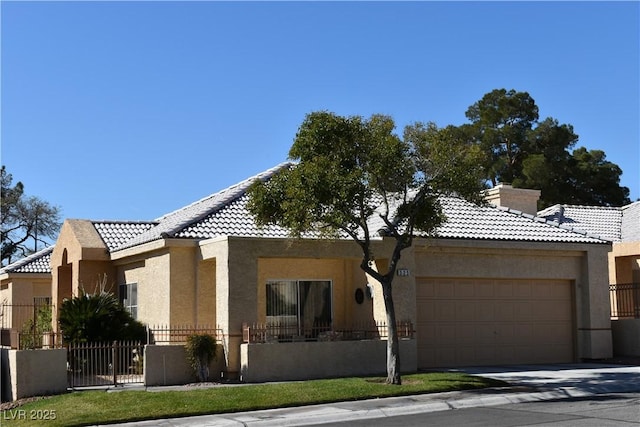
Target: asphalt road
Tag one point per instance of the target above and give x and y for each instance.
(615, 410)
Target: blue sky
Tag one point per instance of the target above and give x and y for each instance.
(128, 110)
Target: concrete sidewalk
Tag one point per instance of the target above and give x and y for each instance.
(529, 383)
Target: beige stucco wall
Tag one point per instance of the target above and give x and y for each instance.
(584, 265)
(19, 290)
(205, 293)
(79, 261)
(34, 372)
(175, 285)
(624, 262)
(244, 264)
(167, 365)
(22, 288)
(307, 360)
(523, 200)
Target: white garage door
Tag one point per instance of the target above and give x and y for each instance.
(462, 322)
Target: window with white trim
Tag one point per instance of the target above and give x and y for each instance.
(299, 307)
(128, 294)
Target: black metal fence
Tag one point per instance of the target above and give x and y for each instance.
(27, 326)
(625, 300)
(287, 332)
(105, 364)
(178, 334)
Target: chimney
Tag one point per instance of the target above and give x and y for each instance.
(520, 199)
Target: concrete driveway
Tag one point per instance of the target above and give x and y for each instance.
(583, 377)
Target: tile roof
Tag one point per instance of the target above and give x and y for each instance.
(631, 222)
(225, 214)
(232, 219)
(38, 262)
(194, 216)
(602, 221)
(116, 233)
(466, 220)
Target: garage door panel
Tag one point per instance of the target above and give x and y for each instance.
(523, 310)
(483, 322)
(504, 290)
(443, 290)
(522, 290)
(465, 290)
(484, 290)
(465, 311)
(553, 310)
(504, 312)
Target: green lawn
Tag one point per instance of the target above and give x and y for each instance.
(98, 407)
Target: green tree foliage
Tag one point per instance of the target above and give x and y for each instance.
(33, 329)
(501, 121)
(528, 153)
(201, 351)
(350, 171)
(97, 317)
(26, 221)
(595, 180)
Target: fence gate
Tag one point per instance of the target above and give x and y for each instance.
(105, 364)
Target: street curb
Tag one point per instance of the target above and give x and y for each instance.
(373, 408)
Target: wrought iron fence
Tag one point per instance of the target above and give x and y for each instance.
(625, 300)
(35, 340)
(105, 364)
(178, 334)
(15, 316)
(26, 326)
(287, 332)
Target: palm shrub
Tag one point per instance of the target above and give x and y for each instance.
(98, 317)
(201, 351)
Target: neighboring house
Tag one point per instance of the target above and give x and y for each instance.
(24, 285)
(619, 225)
(496, 286)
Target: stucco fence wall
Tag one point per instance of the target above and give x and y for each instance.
(27, 373)
(309, 360)
(167, 365)
(626, 337)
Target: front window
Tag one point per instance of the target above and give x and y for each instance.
(41, 301)
(129, 298)
(299, 307)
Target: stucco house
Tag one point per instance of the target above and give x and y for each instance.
(621, 226)
(24, 285)
(497, 285)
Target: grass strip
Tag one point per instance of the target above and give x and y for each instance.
(99, 407)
